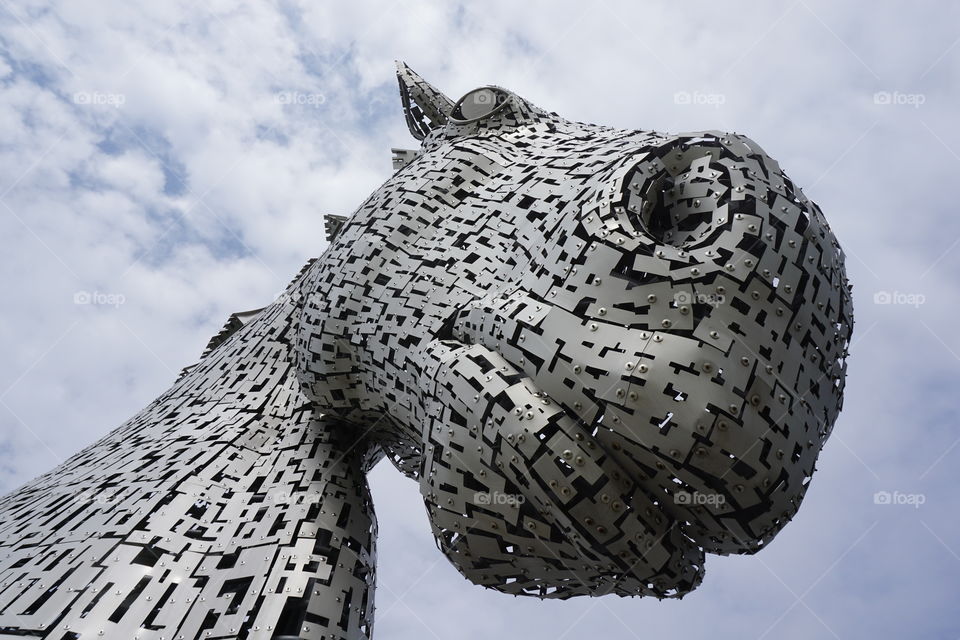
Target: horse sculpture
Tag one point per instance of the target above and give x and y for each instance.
(601, 354)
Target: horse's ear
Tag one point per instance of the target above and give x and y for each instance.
(424, 107)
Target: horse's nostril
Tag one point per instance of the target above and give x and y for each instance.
(654, 215)
(675, 201)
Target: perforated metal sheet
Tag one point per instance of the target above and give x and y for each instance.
(601, 353)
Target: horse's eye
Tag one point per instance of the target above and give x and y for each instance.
(478, 104)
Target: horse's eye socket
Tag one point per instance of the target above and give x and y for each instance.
(479, 103)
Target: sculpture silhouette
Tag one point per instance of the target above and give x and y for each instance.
(601, 353)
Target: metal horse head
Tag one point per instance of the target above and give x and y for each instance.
(601, 353)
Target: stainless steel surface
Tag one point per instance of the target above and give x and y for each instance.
(601, 353)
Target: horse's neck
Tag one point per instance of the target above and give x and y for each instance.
(227, 506)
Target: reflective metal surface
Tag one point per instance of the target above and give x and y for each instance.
(601, 353)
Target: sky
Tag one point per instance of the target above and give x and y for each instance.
(164, 164)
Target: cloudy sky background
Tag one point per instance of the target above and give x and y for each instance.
(173, 162)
